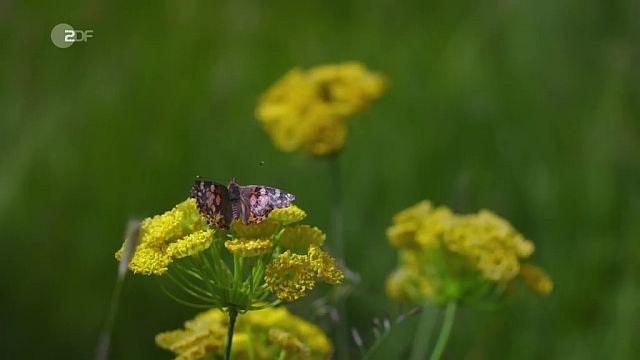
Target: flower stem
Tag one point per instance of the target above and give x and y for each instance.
(426, 324)
(233, 314)
(449, 318)
(130, 244)
(336, 211)
(282, 355)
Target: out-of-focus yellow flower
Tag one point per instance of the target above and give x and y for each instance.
(347, 87)
(261, 334)
(413, 214)
(489, 242)
(446, 256)
(249, 247)
(288, 342)
(433, 225)
(403, 234)
(164, 238)
(202, 335)
(406, 285)
(536, 279)
(306, 110)
(287, 215)
(329, 135)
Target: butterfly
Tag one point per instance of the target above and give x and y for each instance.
(220, 204)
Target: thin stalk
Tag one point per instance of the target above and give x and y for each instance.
(130, 244)
(192, 290)
(233, 314)
(374, 347)
(426, 323)
(184, 302)
(449, 318)
(250, 351)
(337, 219)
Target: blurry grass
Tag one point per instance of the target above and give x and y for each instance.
(528, 108)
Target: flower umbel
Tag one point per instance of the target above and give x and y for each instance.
(164, 238)
(239, 268)
(272, 331)
(306, 109)
(447, 257)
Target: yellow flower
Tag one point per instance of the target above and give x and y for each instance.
(489, 242)
(290, 276)
(536, 279)
(288, 342)
(190, 244)
(329, 134)
(288, 215)
(433, 226)
(395, 285)
(325, 266)
(148, 261)
(260, 335)
(202, 335)
(301, 237)
(263, 229)
(348, 87)
(403, 234)
(306, 110)
(249, 247)
(405, 285)
(445, 255)
(413, 213)
(164, 238)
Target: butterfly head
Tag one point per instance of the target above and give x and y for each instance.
(234, 190)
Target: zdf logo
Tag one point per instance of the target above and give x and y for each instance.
(64, 35)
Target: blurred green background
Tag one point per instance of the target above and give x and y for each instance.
(529, 108)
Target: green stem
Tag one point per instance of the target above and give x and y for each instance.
(426, 324)
(233, 314)
(449, 318)
(130, 244)
(336, 211)
(282, 355)
(372, 350)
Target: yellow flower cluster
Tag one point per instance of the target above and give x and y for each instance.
(446, 256)
(164, 238)
(291, 276)
(260, 334)
(306, 110)
(182, 232)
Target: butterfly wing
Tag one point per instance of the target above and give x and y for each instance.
(213, 202)
(258, 201)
